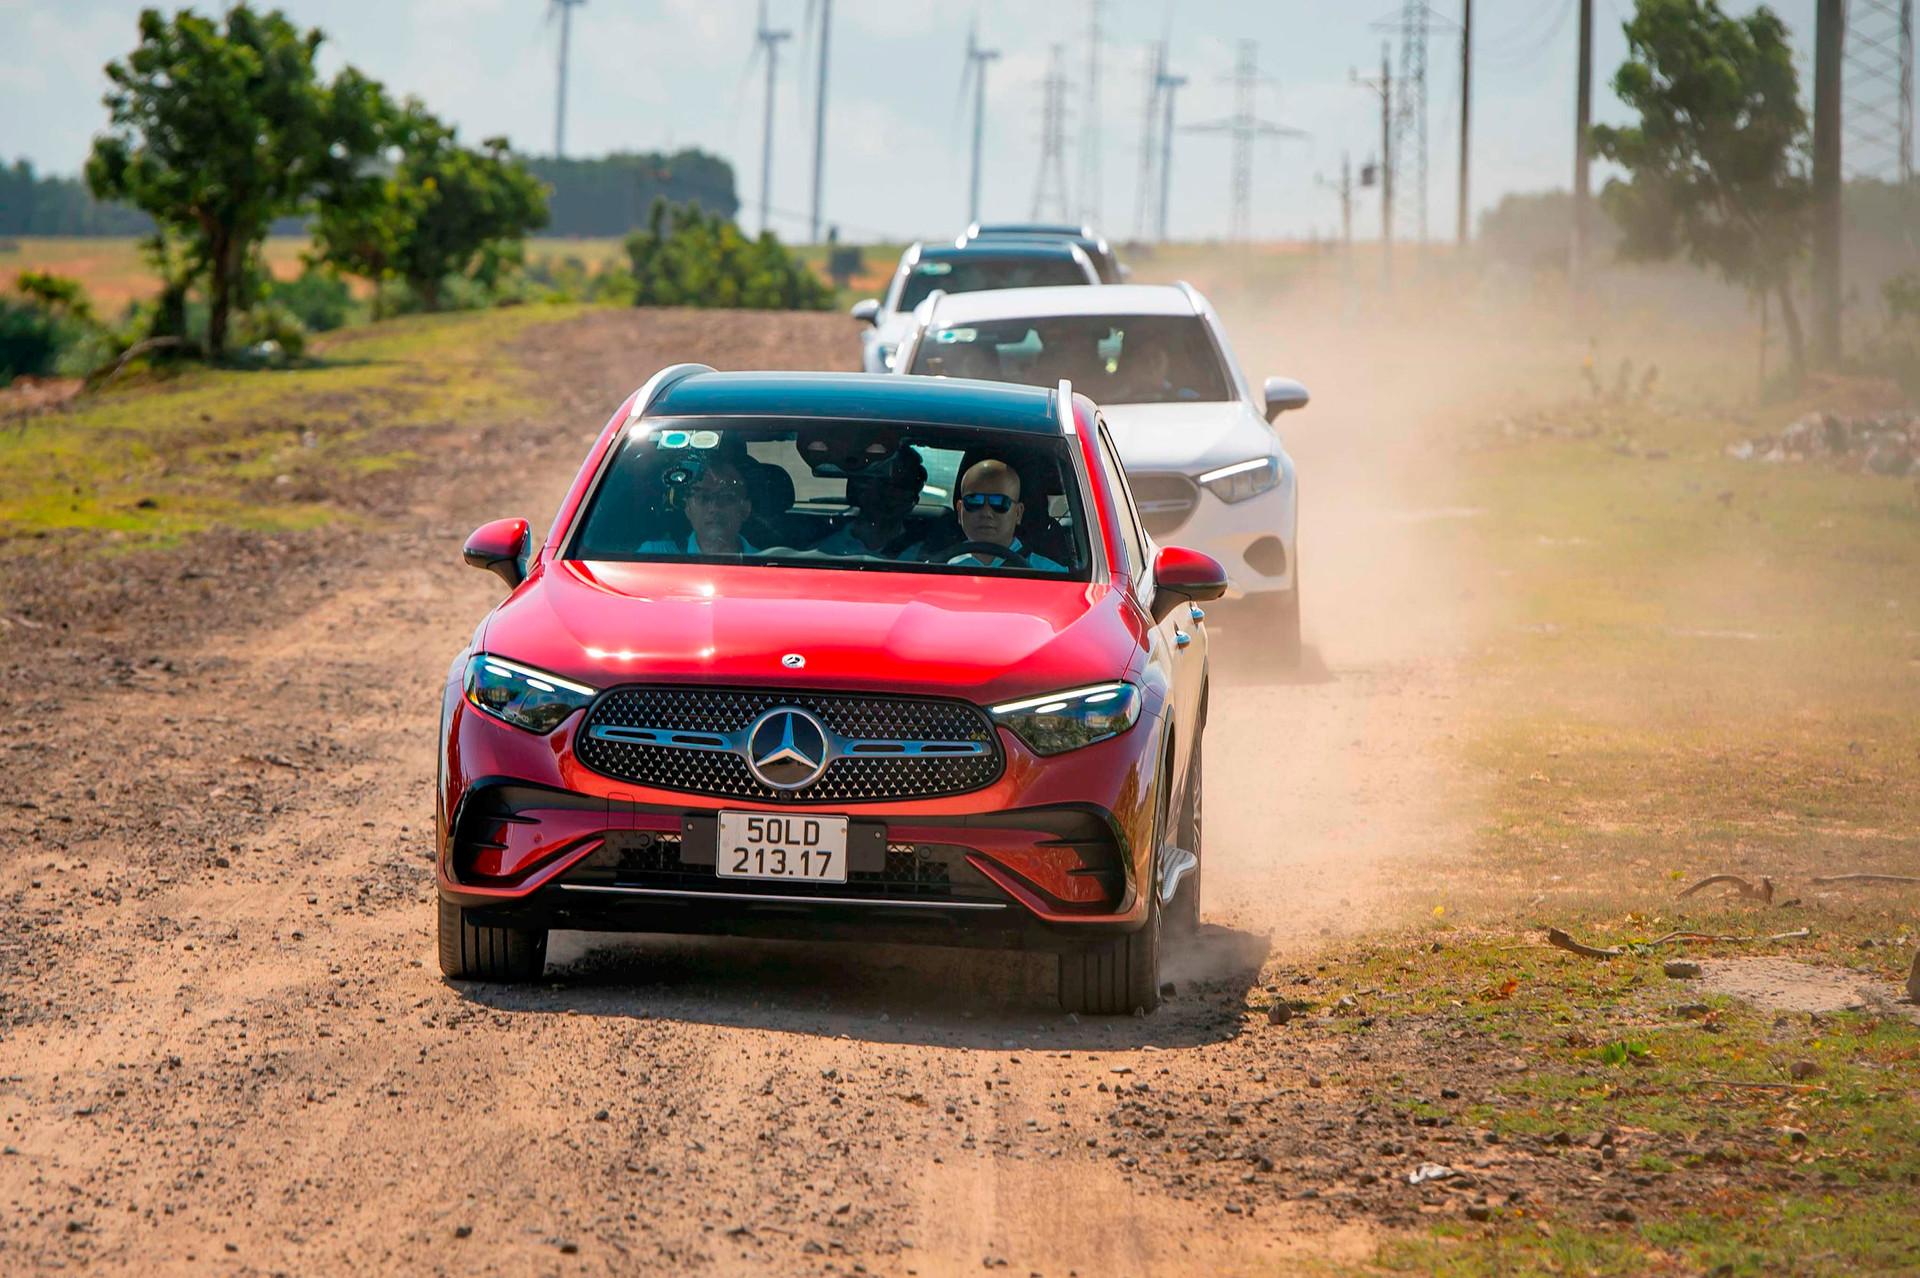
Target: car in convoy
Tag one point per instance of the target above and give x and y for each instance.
(1091, 242)
(1206, 466)
(1019, 263)
(839, 656)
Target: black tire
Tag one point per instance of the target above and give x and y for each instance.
(475, 952)
(1119, 974)
(1183, 916)
(1115, 975)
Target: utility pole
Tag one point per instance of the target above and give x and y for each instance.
(1169, 84)
(1344, 189)
(1244, 126)
(566, 8)
(1828, 42)
(1463, 226)
(1090, 126)
(977, 59)
(1051, 183)
(820, 120)
(1383, 86)
(1582, 165)
(769, 42)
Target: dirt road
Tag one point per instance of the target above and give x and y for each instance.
(224, 1044)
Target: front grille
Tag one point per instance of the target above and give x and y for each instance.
(1166, 501)
(911, 872)
(718, 718)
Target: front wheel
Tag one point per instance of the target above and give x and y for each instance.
(1116, 974)
(476, 952)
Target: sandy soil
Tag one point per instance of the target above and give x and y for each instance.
(224, 1043)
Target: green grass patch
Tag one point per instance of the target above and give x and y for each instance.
(152, 464)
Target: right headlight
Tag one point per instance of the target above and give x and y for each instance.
(525, 697)
(1242, 479)
(1065, 721)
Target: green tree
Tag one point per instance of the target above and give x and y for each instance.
(686, 257)
(215, 133)
(1718, 162)
(444, 210)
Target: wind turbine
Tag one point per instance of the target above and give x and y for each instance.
(768, 41)
(976, 71)
(565, 9)
(825, 10)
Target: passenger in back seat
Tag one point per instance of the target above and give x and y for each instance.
(883, 501)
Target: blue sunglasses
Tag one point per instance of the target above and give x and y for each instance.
(999, 503)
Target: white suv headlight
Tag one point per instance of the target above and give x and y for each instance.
(1242, 479)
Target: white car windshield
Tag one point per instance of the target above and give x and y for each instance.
(976, 272)
(1114, 359)
(872, 496)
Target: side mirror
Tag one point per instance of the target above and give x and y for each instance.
(1182, 576)
(1284, 394)
(866, 310)
(501, 548)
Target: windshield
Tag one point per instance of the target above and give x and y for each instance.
(977, 271)
(1114, 359)
(881, 497)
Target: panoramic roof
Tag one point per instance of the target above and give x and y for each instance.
(1079, 299)
(862, 397)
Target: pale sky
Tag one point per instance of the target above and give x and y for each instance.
(668, 73)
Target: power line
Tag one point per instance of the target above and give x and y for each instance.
(1245, 126)
(1051, 182)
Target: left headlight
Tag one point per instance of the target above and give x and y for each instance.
(1068, 720)
(1242, 479)
(525, 697)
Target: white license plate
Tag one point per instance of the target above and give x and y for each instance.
(773, 845)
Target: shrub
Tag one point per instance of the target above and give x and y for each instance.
(29, 340)
(688, 258)
(319, 299)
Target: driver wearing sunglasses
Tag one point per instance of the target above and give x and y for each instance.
(989, 509)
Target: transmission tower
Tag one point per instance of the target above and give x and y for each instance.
(1148, 185)
(1245, 126)
(1877, 85)
(1090, 126)
(1410, 108)
(1050, 187)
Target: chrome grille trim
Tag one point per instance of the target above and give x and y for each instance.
(697, 740)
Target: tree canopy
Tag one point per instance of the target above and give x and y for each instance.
(216, 132)
(1718, 162)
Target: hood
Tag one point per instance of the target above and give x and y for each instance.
(1188, 438)
(985, 639)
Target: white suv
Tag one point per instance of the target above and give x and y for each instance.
(961, 268)
(1201, 453)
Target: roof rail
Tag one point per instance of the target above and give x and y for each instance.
(651, 388)
(1065, 392)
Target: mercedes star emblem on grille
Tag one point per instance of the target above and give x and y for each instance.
(787, 748)
(793, 661)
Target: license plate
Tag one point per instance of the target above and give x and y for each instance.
(772, 845)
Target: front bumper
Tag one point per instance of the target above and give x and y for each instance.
(1052, 850)
(1253, 539)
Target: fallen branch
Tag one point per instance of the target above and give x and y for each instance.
(1864, 878)
(1770, 1087)
(1560, 940)
(1763, 893)
(1556, 937)
(107, 372)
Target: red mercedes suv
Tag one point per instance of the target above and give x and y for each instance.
(833, 655)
